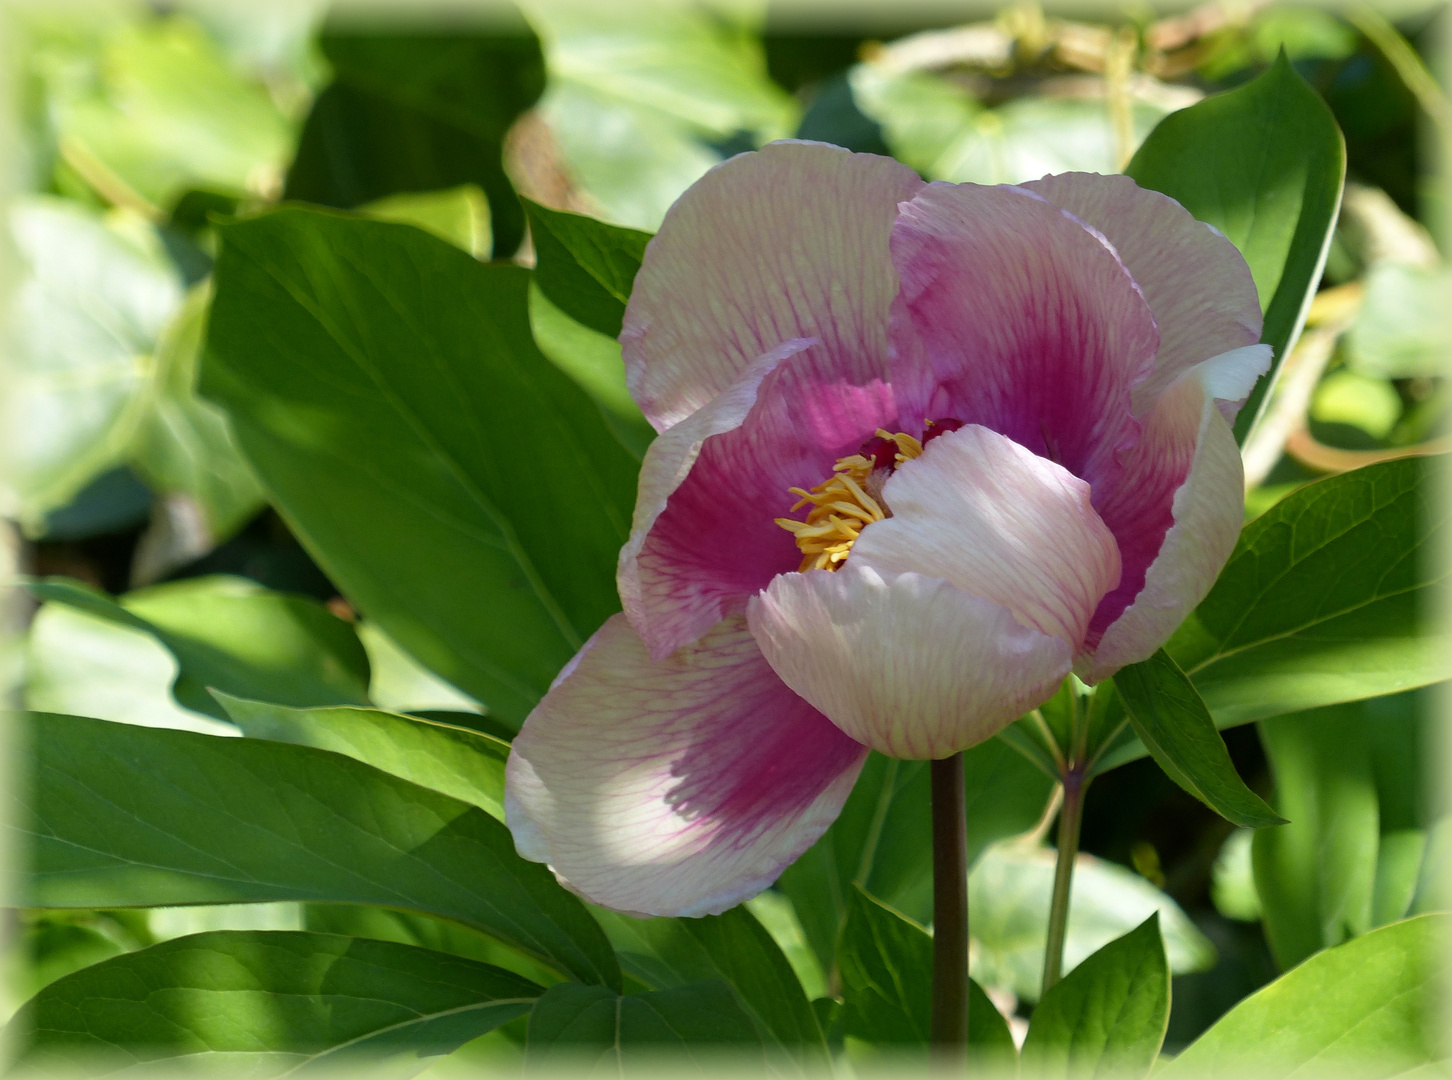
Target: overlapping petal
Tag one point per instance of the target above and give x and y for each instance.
(704, 538)
(1015, 315)
(999, 522)
(908, 664)
(678, 787)
(1198, 285)
(956, 614)
(1176, 511)
(786, 242)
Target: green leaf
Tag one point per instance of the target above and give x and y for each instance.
(595, 362)
(234, 635)
(1368, 1008)
(459, 215)
(578, 1029)
(1401, 329)
(184, 446)
(1316, 876)
(1174, 724)
(641, 96)
(1108, 1016)
(1008, 897)
(272, 1000)
(123, 816)
(462, 491)
(467, 765)
(412, 112)
(163, 111)
(89, 309)
(1325, 599)
(887, 985)
(90, 665)
(734, 947)
(585, 267)
(882, 839)
(1264, 164)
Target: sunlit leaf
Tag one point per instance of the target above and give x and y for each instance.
(456, 761)
(1325, 599)
(1366, 1009)
(1264, 164)
(1108, 1016)
(273, 1002)
(463, 492)
(124, 816)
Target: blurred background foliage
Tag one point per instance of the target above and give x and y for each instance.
(140, 126)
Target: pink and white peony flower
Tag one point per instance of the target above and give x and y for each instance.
(924, 450)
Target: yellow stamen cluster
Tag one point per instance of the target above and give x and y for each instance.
(841, 507)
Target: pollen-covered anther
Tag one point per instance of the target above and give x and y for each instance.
(847, 501)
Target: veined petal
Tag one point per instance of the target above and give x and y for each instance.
(1015, 315)
(908, 664)
(1176, 511)
(786, 242)
(705, 537)
(1198, 286)
(679, 787)
(998, 522)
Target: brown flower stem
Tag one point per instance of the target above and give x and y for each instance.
(949, 1027)
(1071, 815)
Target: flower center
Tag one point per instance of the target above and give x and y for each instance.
(851, 498)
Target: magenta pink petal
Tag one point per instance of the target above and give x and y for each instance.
(1198, 286)
(786, 242)
(1176, 511)
(705, 537)
(1014, 315)
(675, 787)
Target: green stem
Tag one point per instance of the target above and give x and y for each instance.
(949, 1024)
(1070, 818)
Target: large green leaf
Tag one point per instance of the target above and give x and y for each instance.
(1264, 164)
(585, 267)
(124, 816)
(269, 1001)
(1325, 599)
(234, 635)
(1108, 1016)
(579, 1030)
(464, 492)
(1175, 726)
(887, 986)
(1008, 903)
(882, 839)
(662, 954)
(419, 112)
(1369, 1009)
(465, 764)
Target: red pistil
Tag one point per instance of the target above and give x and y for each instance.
(941, 426)
(881, 452)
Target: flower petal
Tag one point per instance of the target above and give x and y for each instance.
(1176, 511)
(679, 787)
(908, 664)
(786, 242)
(1014, 315)
(1198, 286)
(1001, 523)
(705, 537)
